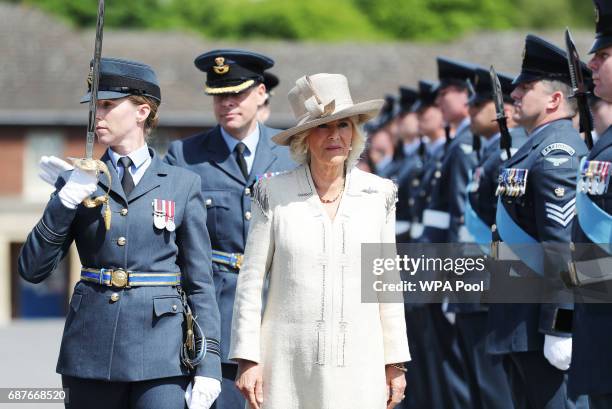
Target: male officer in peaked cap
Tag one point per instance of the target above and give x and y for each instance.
(536, 200)
(417, 191)
(482, 187)
(443, 366)
(409, 155)
(230, 158)
(591, 367)
(486, 377)
(443, 218)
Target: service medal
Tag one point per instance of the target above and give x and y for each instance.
(159, 213)
(170, 226)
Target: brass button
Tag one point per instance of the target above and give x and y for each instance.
(174, 307)
(493, 228)
(208, 202)
(415, 182)
(247, 215)
(123, 212)
(121, 241)
(247, 192)
(411, 202)
(437, 174)
(114, 297)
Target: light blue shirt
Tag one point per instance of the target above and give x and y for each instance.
(431, 146)
(250, 141)
(488, 142)
(141, 159)
(410, 148)
(464, 124)
(538, 130)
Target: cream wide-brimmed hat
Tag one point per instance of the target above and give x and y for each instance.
(321, 98)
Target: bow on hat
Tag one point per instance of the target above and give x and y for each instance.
(315, 106)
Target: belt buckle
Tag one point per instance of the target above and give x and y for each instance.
(239, 258)
(119, 278)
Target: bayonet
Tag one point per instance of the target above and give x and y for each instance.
(505, 142)
(579, 88)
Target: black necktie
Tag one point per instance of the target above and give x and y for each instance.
(127, 183)
(240, 159)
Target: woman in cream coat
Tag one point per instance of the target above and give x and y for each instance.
(315, 345)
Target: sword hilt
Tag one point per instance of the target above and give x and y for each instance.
(97, 166)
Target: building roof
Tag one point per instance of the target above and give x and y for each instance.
(44, 65)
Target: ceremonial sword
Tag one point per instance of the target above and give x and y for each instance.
(88, 163)
(579, 89)
(505, 142)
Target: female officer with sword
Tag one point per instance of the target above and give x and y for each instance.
(146, 258)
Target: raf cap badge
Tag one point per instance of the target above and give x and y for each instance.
(163, 214)
(220, 67)
(559, 192)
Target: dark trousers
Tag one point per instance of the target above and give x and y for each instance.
(487, 380)
(164, 393)
(420, 372)
(436, 375)
(230, 397)
(536, 384)
(600, 401)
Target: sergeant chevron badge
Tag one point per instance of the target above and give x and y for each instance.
(561, 214)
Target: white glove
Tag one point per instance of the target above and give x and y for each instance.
(558, 351)
(203, 393)
(80, 185)
(50, 168)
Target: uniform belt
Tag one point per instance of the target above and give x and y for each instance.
(590, 271)
(121, 278)
(500, 251)
(436, 219)
(233, 260)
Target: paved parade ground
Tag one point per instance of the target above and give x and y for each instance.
(29, 355)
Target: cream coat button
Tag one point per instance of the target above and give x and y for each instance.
(247, 215)
(121, 241)
(123, 212)
(114, 297)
